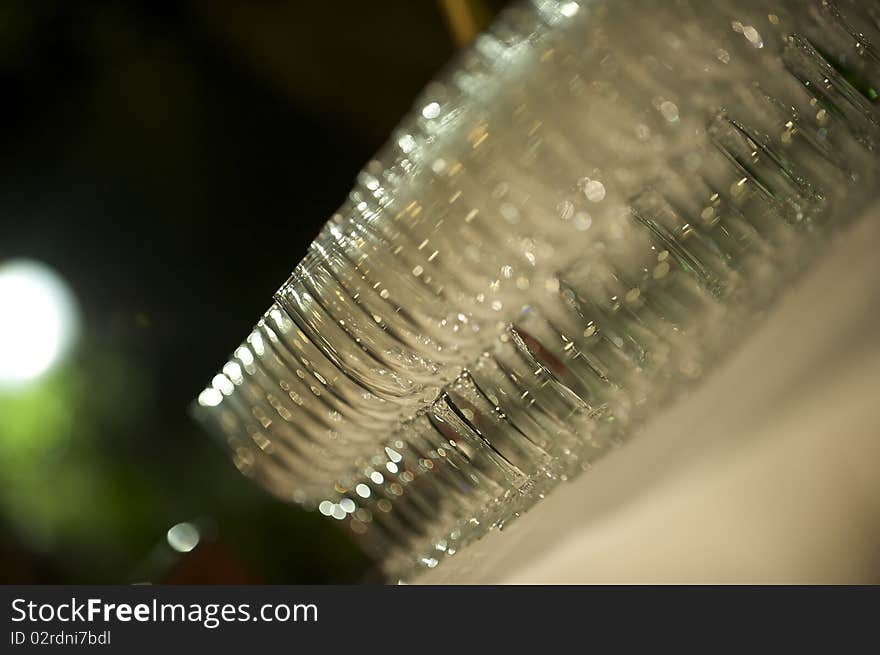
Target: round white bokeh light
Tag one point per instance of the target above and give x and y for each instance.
(38, 320)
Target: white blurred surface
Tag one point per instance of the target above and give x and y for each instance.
(769, 472)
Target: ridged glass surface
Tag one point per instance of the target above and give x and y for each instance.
(591, 207)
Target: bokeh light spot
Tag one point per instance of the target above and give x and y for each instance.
(38, 322)
(183, 537)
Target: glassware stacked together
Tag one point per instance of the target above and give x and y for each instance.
(577, 221)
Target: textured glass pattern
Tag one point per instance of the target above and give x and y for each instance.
(577, 221)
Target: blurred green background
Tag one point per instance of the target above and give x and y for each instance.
(171, 162)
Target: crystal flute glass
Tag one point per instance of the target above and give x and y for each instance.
(578, 220)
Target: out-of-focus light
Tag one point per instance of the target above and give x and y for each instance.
(569, 9)
(431, 110)
(38, 320)
(210, 397)
(183, 537)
